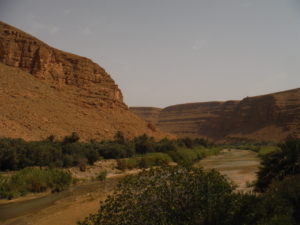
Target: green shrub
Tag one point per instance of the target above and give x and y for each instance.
(144, 144)
(144, 161)
(264, 150)
(121, 164)
(167, 196)
(186, 195)
(279, 164)
(33, 180)
(102, 175)
(287, 191)
(165, 145)
(184, 156)
(154, 159)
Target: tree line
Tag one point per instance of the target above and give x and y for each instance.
(17, 154)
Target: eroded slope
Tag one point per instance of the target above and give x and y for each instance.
(269, 117)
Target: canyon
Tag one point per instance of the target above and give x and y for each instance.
(270, 118)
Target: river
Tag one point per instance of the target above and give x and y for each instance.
(69, 206)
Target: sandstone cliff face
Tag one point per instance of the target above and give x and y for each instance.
(45, 91)
(263, 118)
(23, 51)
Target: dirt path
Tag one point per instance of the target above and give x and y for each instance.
(240, 166)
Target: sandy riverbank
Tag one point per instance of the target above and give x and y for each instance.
(239, 165)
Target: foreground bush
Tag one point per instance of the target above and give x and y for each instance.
(33, 180)
(190, 196)
(287, 192)
(166, 196)
(186, 196)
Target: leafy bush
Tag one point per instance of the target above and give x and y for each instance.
(144, 161)
(165, 145)
(184, 156)
(33, 180)
(167, 196)
(102, 175)
(287, 192)
(115, 151)
(121, 164)
(264, 150)
(186, 195)
(144, 144)
(279, 164)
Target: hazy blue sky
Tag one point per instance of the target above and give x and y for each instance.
(164, 52)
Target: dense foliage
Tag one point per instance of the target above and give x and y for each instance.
(279, 164)
(188, 196)
(17, 154)
(261, 149)
(33, 180)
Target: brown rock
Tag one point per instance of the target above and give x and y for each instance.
(21, 50)
(45, 91)
(263, 118)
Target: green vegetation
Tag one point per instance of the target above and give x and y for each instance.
(262, 149)
(33, 180)
(166, 151)
(143, 152)
(266, 149)
(144, 161)
(280, 164)
(187, 195)
(102, 175)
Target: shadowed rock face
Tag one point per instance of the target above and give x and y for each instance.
(263, 118)
(45, 91)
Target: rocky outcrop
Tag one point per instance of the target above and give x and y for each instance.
(262, 118)
(21, 50)
(45, 91)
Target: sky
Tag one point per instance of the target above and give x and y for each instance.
(166, 52)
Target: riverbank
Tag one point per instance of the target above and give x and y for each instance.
(70, 206)
(240, 166)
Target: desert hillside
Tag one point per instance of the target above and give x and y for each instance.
(45, 91)
(269, 117)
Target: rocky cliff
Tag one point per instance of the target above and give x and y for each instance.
(262, 118)
(24, 51)
(45, 91)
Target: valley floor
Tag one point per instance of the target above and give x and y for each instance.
(78, 202)
(240, 166)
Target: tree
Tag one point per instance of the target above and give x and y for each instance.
(170, 195)
(119, 137)
(144, 144)
(280, 164)
(74, 137)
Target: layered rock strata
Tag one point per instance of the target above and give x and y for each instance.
(270, 117)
